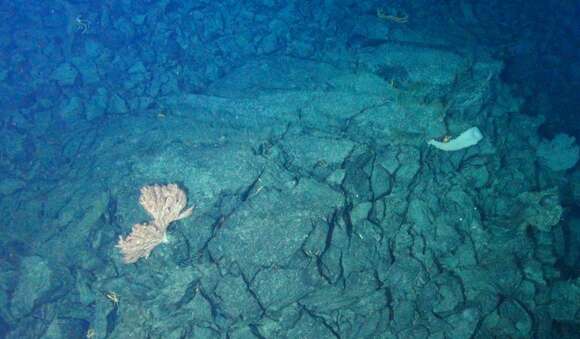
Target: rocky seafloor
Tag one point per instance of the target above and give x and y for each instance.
(299, 132)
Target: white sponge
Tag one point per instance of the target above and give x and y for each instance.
(466, 139)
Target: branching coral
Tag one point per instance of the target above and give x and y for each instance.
(165, 204)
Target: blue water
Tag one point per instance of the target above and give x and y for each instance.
(305, 169)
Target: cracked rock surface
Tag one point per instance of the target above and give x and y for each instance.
(320, 209)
